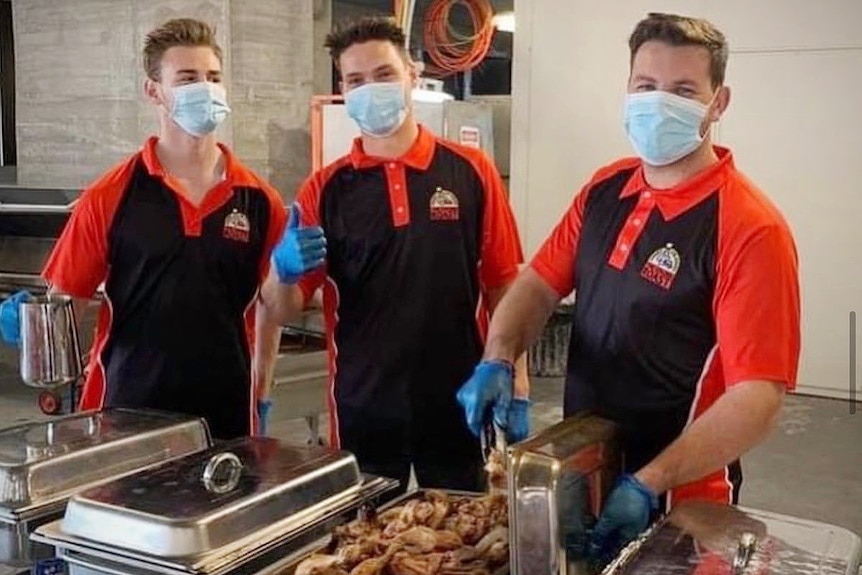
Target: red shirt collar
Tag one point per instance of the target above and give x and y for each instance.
(677, 200)
(234, 172)
(418, 156)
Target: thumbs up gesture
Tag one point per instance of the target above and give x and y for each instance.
(300, 250)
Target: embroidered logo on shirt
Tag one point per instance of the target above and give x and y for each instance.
(444, 206)
(662, 266)
(236, 226)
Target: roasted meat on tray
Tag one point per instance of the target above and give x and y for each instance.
(432, 534)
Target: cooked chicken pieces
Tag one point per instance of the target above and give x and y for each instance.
(432, 534)
(495, 467)
(320, 565)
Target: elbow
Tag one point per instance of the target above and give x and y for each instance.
(773, 408)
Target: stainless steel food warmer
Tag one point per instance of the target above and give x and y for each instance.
(42, 464)
(240, 507)
(710, 538)
(558, 480)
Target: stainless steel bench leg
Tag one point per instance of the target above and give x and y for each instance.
(313, 422)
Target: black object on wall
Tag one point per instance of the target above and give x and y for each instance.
(7, 86)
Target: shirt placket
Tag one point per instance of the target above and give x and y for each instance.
(396, 179)
(632, 230)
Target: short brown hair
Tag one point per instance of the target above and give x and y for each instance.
(364, 30)
(683, 31)
(178, 32)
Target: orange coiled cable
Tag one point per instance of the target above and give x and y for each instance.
(451, 51)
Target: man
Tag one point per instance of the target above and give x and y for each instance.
(420, 246)
(686, 322)
(181, 235)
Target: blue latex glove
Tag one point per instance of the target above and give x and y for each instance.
(10, 318)
(263, 407)
(518, 426)
(300, 250)
(625, 515)
(488, 390)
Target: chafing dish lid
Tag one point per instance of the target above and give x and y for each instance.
(42, 463)
(713, 538)
(210, 500)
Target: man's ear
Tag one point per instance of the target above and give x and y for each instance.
(413, 71)
(153, 92)
(722, 101)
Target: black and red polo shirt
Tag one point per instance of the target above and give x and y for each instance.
(414, 246)
(176, 326)
(679, 294)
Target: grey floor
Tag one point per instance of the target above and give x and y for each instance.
(811, 466)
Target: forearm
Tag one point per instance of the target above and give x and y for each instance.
(738, 421)
(522, 379)
(519, 318)
(267, 340)
(281, 303)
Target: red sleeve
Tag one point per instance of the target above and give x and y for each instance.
(555, 260)
(308, 199)
(501, 245)
(757, 304)
(79, 261)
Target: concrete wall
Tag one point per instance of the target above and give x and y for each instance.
(322, 62)
(795, 72)
(272, 77)
(80, 104)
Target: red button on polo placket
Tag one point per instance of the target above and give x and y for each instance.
(632, 230)
(396, 178)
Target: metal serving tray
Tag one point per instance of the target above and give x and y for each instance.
(45, 462)
(241, 504)
(558, 480)
(703, 537)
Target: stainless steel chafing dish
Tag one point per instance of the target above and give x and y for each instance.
(239, 507)
(42, 464)
(558, 480)
(710, 538)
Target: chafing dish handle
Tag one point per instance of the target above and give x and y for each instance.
(90, 564)
(35, 208)
(744, 551)
(212, 479)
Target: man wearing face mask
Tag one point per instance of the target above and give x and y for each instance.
(421, 244)
(686, 322)
(181, 234)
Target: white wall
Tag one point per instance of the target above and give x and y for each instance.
(794, 123)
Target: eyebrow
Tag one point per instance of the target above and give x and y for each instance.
(679, 83)
(378, 69)
(191, 71)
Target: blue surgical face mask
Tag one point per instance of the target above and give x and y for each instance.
(379, 108)
(199, 108)
(663, 127)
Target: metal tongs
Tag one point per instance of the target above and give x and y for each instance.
(745, 549)
(493, 438)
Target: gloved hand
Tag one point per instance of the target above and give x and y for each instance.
(488, 390)
(626, 515)
(300, 250)
(263, 407)
(10, 318)
(518, 426)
